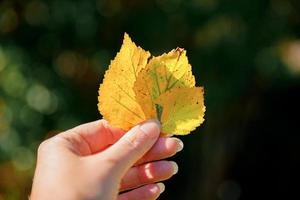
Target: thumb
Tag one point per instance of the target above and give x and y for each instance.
(132, 146)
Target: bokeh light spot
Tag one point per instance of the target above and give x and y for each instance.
(67, 63)
(29, 117)
(9, 139)
(13, 81)
(218, 29)
(23, 158)
(41, 99)
(290, 55)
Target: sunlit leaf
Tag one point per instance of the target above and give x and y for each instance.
(135, 90)
(183, 110)
(117, 101)
(162, 73)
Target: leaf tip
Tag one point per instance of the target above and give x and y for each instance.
(127, 39)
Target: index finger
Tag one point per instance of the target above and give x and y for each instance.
(98, 134)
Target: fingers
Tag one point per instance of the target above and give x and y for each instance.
(132, 146)
(147, 192)
(148, 173)
(93, 137)
(163, 148)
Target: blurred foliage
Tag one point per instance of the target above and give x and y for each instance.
(53, 55)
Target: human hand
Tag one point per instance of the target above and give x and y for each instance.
(96, 161)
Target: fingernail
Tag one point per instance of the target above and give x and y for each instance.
(175, 167)
(161, 187)
(150, 125)
(179, 145)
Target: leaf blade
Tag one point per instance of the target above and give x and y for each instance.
(116, 96)
(183, 110)
(161, 74)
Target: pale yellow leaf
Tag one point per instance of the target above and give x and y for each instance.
(183, 110)
(162, 73)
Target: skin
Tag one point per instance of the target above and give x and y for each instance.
(96, 161)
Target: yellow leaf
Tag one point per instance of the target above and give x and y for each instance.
(183, 110)
(117, 102)
(135, 90)
(171, 70)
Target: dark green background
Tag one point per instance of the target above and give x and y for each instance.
(246, 53)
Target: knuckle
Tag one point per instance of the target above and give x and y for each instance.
(43, 147)
(47, 145)
(131, 143)
(111, 161)
(147, 135)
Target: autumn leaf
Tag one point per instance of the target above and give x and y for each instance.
(117, 101)
(162, 73)
(135, 90)
(183, 110)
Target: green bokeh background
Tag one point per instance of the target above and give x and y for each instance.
(246, 53)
